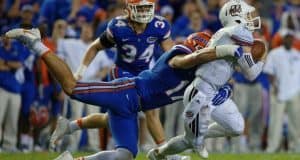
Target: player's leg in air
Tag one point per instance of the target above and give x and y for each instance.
(99, 120)
(120, 119)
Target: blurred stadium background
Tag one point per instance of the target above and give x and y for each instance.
(31, 100)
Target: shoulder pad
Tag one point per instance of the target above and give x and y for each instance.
(160, 17)
(161, 26)
(119, 21)
(240, 34)
(120, 17)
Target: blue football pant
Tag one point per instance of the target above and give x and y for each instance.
(120, 98)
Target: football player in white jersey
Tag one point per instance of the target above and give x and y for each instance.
(237, 18)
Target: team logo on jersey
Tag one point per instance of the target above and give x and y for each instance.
(235, 10)
(151, 39)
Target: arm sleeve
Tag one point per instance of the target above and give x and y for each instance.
(164, 28)
(249, 68)
(107, 38)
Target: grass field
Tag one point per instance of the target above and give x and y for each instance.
(50, 156)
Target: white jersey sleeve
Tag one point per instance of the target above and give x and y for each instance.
(241, 36)
(218, 72)
(249, 68)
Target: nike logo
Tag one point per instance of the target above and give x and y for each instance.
(125, 39)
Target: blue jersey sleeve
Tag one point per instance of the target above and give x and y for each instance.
(110, 29)
(162, 27)
(115, 28)
(112, 33)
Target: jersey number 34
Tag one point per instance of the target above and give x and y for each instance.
(131, 53)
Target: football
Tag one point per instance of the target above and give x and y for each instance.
(258, 49)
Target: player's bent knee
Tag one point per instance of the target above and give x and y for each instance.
(123, 154)
(238, 128)
(68, 87)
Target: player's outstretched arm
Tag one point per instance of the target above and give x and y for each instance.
(90, 54)
(205, 55)
(249, 67)
(104, 41)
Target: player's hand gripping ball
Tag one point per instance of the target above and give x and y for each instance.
(258, 49)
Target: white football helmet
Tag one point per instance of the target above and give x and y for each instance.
(141, 11)
(239, 12)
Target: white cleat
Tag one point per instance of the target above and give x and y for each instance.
(153, 155)
(27, 36)
(202, 152)
(62, 128)
(178, 157)
(65, 156)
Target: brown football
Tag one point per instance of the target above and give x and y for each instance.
(258, 49)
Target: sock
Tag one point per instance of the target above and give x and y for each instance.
(175, 145)
(40, 48)
(110, 155)
(75, 125)
(160, 143)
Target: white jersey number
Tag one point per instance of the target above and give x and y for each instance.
(120, 23)
(173, 91)
(131, 53)
(159, 24)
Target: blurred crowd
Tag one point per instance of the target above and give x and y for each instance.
(31, 100)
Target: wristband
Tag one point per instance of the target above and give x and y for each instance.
(226, 50)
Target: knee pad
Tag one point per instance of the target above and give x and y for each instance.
(238, 128)
(123, 154)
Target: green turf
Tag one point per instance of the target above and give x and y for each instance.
(50, 156)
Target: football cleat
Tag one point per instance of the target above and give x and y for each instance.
(153, 155)
(178, 157)
(65, 156)
(62, 128)
(202, 152)
(27, 36)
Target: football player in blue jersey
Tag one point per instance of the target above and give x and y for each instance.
(125, 97)
(135, 37)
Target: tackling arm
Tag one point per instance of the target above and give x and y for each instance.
(105, 41)
(8, 65)
(14, 64)
(167, 44)
(203, 56)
